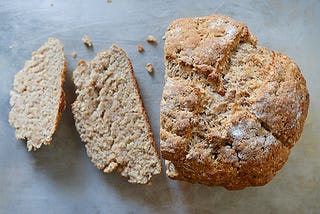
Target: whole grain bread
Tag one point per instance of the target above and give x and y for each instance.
(37, 98)
(110, 117)
(231, 110)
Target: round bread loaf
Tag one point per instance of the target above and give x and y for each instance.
(231, 110)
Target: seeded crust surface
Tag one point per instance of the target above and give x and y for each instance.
(37, 98)
(110, 117)
(230, 110)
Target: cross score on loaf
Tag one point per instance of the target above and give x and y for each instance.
(231, 110)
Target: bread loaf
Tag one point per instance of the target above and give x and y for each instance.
(37, 97)
(231, 110)
(110, 117)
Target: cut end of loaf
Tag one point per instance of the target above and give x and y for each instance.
(110, 117)
(37, 98)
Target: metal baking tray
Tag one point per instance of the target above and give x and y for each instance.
(61, 179)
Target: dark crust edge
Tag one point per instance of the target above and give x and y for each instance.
(135, 84)
(62, 103)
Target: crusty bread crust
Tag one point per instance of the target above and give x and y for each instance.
(145, 116)
(111, 119)
(62, 100)
(37, 98)
(230, 110)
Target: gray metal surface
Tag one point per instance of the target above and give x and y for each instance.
(61, 179)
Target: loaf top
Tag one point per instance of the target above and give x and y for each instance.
(205, 40)
(37, 97)
(110, 117)
(231, 110)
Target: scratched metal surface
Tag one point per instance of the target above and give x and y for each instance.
(61, 179)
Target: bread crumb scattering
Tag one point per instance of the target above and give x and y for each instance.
(149, 67)
(151, 39)
(74, 54)
(140, 48)
(87, 41)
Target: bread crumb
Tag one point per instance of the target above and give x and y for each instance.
(74, 54)
(151, 39)
(140, 48)
(149, 68)
(87, 41)
(164, 37)
(109, 1)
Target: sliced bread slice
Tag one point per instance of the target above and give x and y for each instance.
(110, 117)
(37, 98)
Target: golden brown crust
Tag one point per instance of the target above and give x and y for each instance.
(205, 43)
(230, 110)
(283, 110)
(205, 40)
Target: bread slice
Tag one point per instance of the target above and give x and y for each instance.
(37, 98)
(231, 110)
(110, 117)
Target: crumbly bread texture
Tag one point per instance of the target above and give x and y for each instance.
(110, 117)
(37, 98)
(231, 110)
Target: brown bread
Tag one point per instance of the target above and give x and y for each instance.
(37, 98)
(111, 119)
(231, 110)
